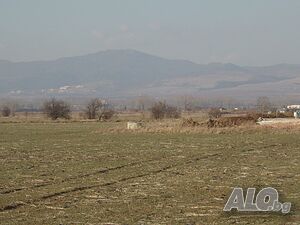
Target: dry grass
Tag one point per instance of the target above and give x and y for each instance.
(102, 173)
(118, 123)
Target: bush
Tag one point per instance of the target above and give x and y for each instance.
(287, 114)
(158, 110)
(106, 114)
(92, 108)
(55, 109)
(97, 109)
(6, 112)
(161, 110)
(231, 121)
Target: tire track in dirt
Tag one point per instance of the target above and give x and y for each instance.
(78, 176)
(14, 206)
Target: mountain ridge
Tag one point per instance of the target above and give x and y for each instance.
(125, 72)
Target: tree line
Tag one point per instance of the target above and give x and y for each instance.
(99, 109)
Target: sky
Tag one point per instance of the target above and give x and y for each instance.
(244, 32)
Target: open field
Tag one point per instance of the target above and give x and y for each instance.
(100, 173)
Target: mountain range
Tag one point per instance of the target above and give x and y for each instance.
(129, 73)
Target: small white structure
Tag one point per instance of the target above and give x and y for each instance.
(282, 111)
(297, 114)
(293, 107)
(134, 125)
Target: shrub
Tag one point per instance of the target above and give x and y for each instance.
(231, 121)
(287, 114)
(161, 110)
(93, 108)
(158, 110)
(106, 114)
(55, 109)
(97, 109)
(6, 112)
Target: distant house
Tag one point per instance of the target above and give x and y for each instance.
(293, 107)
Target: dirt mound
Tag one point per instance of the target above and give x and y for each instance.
(190, 123)
(231, 121)
(271, 115)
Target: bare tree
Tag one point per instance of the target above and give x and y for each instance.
(161, 110)
(9, 108)
(158, 110)
(93, 107)
(6, 111)
(99, 109)
(55, 109)
(263, 104)
(106, 114)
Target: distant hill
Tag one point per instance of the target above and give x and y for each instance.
(128, 73)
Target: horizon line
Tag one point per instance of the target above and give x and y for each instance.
(145, 53)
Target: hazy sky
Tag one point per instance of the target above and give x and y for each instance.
(246, 32)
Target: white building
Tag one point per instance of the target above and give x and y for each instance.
(297, 114)
(293, 107)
